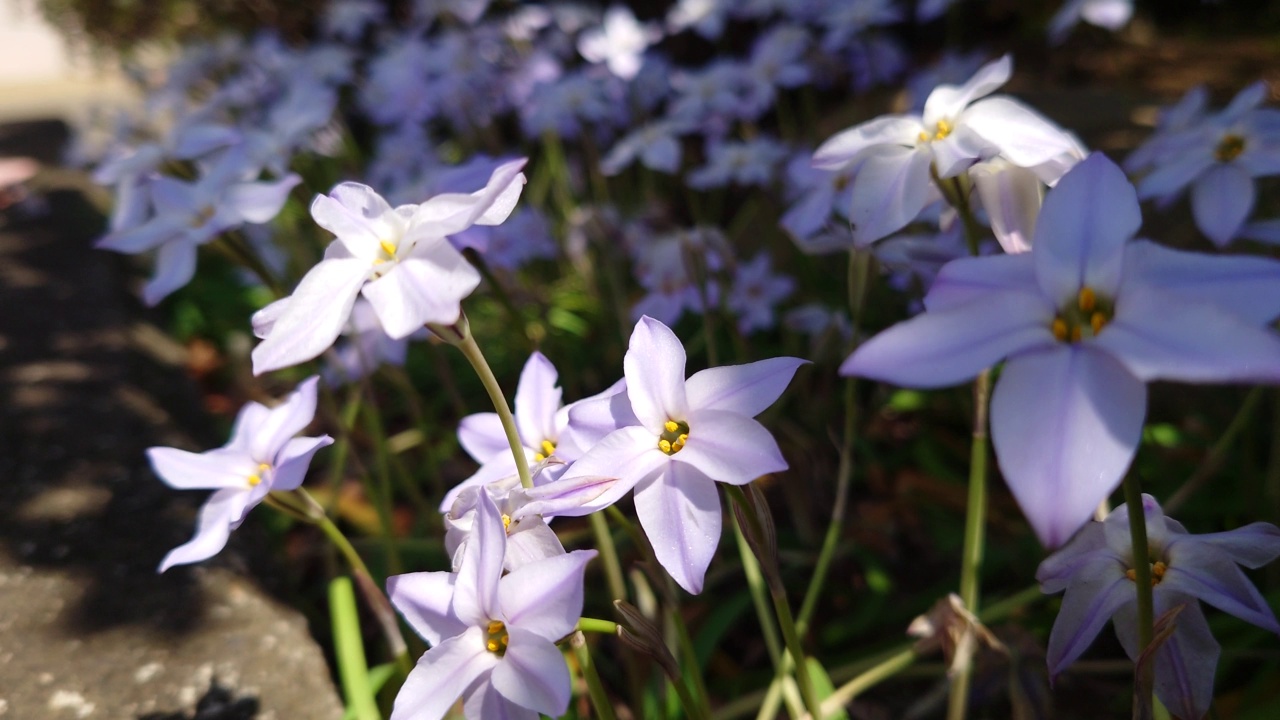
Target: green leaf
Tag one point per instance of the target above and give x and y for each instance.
(823, 687)
(349, 648)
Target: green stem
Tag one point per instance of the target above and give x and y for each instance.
(609, 554)
(349, 649)
(597, 625)
(891, 666)
(1141, 565)
(759, 598)
(471, 350)
(599, 698)
(689, 658)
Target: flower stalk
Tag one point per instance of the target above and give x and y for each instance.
(1144, 683)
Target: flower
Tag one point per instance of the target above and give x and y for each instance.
(492, 635)
(895, 155)
(399, 259)
(1109, 14)
(1218, 156)
(263, 455)
(1096, 570)
(672, 439)
(1085, 318)
(619, 42)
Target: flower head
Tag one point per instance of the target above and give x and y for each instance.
(263, 455)
(1085, 319)
(398, 258)
(1097, 571)
(492, 635)
(673, 439)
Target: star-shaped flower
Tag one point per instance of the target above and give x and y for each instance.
(263, 456)
(1096, 570)
(1085, 319)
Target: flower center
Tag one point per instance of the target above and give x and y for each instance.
(1229, 148)
(496, 638)
(1084, 319)
(205, 215)
(388, 249)
(256, 478)
(548, 449)
(1158, 570)
(674, 435)
(940, 132)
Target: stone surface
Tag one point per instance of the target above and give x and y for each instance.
(87, 627)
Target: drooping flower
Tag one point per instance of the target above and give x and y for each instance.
(673, 439)
(1097, 571)
(492, 635)
(896, 155)
(1085, 319)
(263, 455)
(398, 258)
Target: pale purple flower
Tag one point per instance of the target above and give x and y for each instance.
(1096, 570)
(398, 258)
(705, 17)
(749, 162)
(263, 455)
(619, 41)
(493, 636)
(524, 237)
(815, 196)
(540, 418)
(1109, 14)
(895, 155)
(674, 440)
(656, 145)
(662, 268)
(1218, 158)
(575, 103)
(529, 538)
(1171, 122)
(878, 59)
(712, 97)
(365, 346)
(777, 61)
(756, 292)
(848, 19)
(1085, 319)
(1011, 197)
(190, 214)
(347, 19)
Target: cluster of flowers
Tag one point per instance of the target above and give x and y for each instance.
(1081, 312)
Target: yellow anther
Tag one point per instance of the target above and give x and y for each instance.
(664, 445)
(497, 641)
(254, 480)
(548, 448)
(1088, 299)
(506, 525)
(1097, 321)
(1158, 570)
(263, 467)
(1131, 574)
(492, 646)
(924, 136)
(1229, 148)
(539, 457)
(387, 247)
(671, 426)
(944, 129)
(205, 215)
(1060, 329)
(495, 627)
(378, 261)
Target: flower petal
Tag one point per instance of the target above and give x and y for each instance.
(284, 421)
(1252, 546)
(947, 101)
(223, 508)
(1171, 177)
(452, 213)
(258, 202)
(743, 389)
(890, 189)
(730, 448)
(293, 460)
(1186, 662)
(846, 147)
(475, 595)
(315, 316)
(175, 266)
(487, 703)
(937, 349)
(537, 400)
(592, 419)
(560, 497)
(629, 454)
(1098, 589)
(533, 673)
(1158, 336)
(545, 597)
(654, 369)
(442, 674)
(1245, 285)
(1083, 226)
(354, 213)
(1023, 136)
(1065, 423)
(425, 287)
(1206, 572)
(423, 599)
(966, 279)
(482, 436)
(212, 470)
(680, 513)
(1012, 196)
(1221, 201)
(1057, 570)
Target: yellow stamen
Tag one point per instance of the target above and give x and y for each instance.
(539, 457)
(548, 448)
(1158, 570)
(254, 480)
(665, 446)
(675, 434)
(1131, 574)
(671, 426)
(498, 638)
(944, 129)
(1097, 322)
(1088, 299)
(1060, 329)
(1229, 148)
(924, 136)
(506, 522)
(387, 247)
